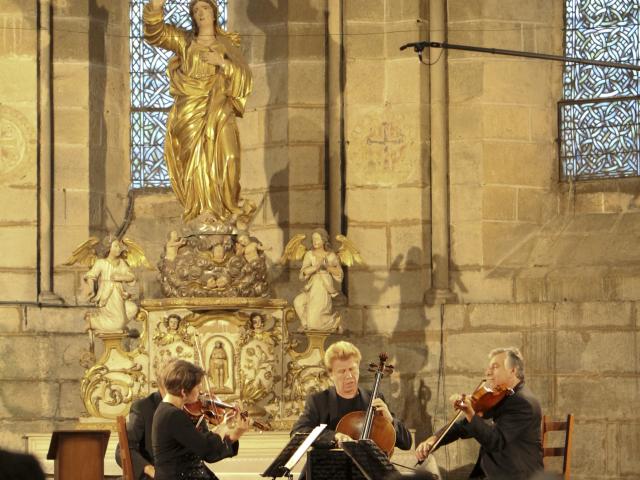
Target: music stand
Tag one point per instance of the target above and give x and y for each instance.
(370, 460)
(292, 453)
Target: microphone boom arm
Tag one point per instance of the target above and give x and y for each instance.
(419, 46)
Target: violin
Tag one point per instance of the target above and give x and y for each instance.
(367, 425)
(213, 410)
(209, 407)
(483, 399)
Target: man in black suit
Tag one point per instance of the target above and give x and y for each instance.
(509, 433)
(139, 435)
(342, 360)
(139, 429)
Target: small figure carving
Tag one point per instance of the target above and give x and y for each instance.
(172, 329)
(256, 329)
(219, 366)
(214, 266)
(173, 244)
(258, 362)
(218, 253)
(249, 247)
(321, 266)
(106, 278)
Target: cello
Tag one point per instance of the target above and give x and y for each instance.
(365, 425)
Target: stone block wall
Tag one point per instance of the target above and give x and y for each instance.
(91, 126)
(18, 174)
(548, 267)
(90, 75)
(581, 358)
(40, 373)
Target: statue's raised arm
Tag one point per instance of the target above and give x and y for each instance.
(210, 82)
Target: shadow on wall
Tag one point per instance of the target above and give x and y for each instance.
(407, 393)
(271, 17)
(414, 391)
(275, 55)
(99, 18)
(455, 282)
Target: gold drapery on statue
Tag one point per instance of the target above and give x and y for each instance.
(202, 147)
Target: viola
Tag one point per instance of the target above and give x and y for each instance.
(483, 398)
(367, 425)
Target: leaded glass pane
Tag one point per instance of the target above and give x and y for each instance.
(599, 118)
(603, 140)
(150, 98)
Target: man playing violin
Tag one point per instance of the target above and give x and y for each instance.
(509, 432)
(342, 360)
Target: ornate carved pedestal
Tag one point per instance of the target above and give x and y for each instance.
(249, 356)
(117, 378)
(244, 342)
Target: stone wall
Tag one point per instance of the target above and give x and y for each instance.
(548, 267)
(18, 177)
(91, 127)
(581, 358)
(40, 373)
(90, 101)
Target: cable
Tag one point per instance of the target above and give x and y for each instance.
(323, 34)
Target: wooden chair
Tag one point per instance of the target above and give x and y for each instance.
(125, 454)
(566, 426)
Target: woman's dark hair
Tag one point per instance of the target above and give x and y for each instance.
(181, 376)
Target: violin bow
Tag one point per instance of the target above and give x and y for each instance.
(196, 343)
(440, 435)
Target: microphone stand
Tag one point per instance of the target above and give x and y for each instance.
(419, 46)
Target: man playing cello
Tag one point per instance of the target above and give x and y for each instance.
(342, 360)
(509, 432)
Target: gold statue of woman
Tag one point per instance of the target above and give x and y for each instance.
(210, 82)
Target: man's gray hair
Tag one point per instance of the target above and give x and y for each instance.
(514, 359)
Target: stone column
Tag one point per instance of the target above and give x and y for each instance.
(335, 197)
(440, 291)
(45, 157)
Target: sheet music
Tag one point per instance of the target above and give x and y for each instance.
(295, 458)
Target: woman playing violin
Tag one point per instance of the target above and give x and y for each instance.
(509, 432)
(179, 449)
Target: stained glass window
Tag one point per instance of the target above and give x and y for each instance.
(150, 98)
(600, 114)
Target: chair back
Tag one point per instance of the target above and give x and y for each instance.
(125, 454)
(566, 426)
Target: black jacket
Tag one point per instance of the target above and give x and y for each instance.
(322, 407)
(509, 436)
(139, 434)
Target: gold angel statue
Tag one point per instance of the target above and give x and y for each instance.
(210, 82)
(321, 267)
(110, 263)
